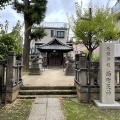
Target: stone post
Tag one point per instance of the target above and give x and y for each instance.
(82, 64)
(10, 69)
(1, 81)
(107, 77)
(12, 86)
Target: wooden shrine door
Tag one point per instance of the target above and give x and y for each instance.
(55, 58)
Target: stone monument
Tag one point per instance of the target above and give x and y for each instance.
(70, 66)
(36, 66)
(107, 78)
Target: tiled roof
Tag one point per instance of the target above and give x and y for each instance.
(55, 47)
(59, 46)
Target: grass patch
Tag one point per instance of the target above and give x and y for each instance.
(83, 111)
(18, 110)
(24, 73)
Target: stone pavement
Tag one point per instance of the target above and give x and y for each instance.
(49, 77)
(46, 109)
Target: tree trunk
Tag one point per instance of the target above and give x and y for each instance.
(90, 50)
(90, 54)
(26, 49)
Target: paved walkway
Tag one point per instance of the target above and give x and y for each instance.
(49, 77)
(46, 109)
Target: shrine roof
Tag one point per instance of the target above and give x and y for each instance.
(55, 44)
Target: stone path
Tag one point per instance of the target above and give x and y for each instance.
(49, 77)
(46, 109)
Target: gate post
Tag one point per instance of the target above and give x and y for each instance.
(12, 86)
(1, 81)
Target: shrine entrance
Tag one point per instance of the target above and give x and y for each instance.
(54, 52)
(55, 58)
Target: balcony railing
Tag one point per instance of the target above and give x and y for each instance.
(116, 8)
(55, 24)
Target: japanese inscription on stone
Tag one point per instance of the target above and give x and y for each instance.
(108, 71)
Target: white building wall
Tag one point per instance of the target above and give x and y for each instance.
(48, 38)
(48, 26)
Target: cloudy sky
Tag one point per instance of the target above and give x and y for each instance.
(56, 11)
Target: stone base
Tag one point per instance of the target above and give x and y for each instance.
(70, 69)
(34, 71)
(82, 93)
(12, 93)
(100, 105)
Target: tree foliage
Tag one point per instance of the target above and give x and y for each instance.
(10, 41)
(4, 3)
(34, 13)
(37, 34)
(91, 32)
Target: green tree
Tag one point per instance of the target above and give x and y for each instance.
(34, 13)
(10, 41)
(4, 3)
(91, 32)
(37, 33)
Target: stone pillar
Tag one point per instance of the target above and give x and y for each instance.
(107, 77)
(70, 68)
(10, 69)
(82, 65)
(1, 81)
(12, 86)
(107, 73)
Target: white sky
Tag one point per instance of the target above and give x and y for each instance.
(56, 11)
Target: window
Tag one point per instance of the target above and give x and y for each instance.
(52, 33)
(60, 34)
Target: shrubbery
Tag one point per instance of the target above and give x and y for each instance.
(10, 41)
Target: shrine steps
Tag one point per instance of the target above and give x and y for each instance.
(31, 92)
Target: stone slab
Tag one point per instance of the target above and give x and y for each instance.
(100, 105)
(38, 112)
(46, 109)
(107, 73)
(53, 102)
(40, 100)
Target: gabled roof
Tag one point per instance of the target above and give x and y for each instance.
(55, 44)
